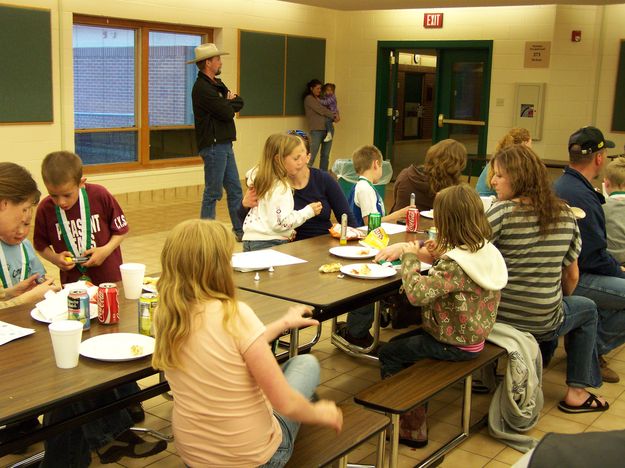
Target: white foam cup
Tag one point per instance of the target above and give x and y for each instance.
(132, 279)
(66, 336)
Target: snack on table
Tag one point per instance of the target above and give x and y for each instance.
(330, 267)
(136, 350)
(351, 233)
(364, 270)
(378, 239)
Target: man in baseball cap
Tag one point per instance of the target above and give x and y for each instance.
(214, 106)
(601, 277)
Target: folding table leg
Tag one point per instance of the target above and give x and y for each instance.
(394, 440)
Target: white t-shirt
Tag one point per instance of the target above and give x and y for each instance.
(366, 198)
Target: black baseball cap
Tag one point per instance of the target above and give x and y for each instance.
(590, 140)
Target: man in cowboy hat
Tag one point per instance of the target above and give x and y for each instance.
(214, 106)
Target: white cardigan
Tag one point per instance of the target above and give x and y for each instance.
(275, 216)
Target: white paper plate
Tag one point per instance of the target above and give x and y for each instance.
(38, 316)
(117, 347)
(428, 214)
(578, 212)
(354, 251)
(377, 271)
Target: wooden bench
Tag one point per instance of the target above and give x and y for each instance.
(317, 446)
(420, 382)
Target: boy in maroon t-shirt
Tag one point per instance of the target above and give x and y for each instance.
(78, 220)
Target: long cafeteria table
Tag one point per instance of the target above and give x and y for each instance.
(31, 383)
(330, 294)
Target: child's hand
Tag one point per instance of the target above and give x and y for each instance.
(329, 414)
(392, 252)
(299, 316)
(63, 261)
(37, 293)
(23, 286)
(98, 255)
(317, 207)
(428, 252)
(250, 200)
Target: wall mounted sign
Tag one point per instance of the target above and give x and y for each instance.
(432, 20)
(537, 54)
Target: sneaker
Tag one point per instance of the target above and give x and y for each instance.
(607, 374)
(328, 137)
(129, 444)
(363, 342)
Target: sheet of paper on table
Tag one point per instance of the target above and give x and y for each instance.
(263, 259)
(10, 332)
(389, 228)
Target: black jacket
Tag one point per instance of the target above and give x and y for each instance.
(213, 113)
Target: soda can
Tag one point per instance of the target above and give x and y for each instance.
(412, 220)
(432, 233)
(147, 305)
(78, 307)
(374, 221)
(108, 304)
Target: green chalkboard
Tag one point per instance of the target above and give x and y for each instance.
(306, 59)
(26, 58)
(618, 113)
(261, 73)
(274, 70)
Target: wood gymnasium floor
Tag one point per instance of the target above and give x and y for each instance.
(342, 376)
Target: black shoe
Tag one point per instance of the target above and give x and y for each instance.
(363, 342)
(239, 236)
(130, 445)
(136, 412)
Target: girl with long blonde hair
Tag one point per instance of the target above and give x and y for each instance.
(274, 219)
(458, 297)
(233, 405)
(443, 166)
(516, 136)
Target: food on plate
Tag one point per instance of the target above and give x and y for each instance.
(364, 270)
(330, 267)
(149, 280)
(136, 350)
(364, 252)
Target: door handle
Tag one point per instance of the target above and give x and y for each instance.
(442, 121)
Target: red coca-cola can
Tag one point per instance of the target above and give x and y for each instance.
(412, 220)
(108, 304)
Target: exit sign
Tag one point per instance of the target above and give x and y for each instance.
(432, 20)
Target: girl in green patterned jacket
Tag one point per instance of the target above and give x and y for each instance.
(459, 296)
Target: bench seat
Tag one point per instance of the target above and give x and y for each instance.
(318, 446)
(420, 382)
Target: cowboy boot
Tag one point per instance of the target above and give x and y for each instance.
(413, 428)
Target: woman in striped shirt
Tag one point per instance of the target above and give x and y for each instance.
(537, 234)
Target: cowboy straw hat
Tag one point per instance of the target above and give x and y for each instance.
(206, 51)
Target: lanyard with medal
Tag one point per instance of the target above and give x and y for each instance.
(84, 241)
(5, 276)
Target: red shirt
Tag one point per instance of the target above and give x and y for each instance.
(107, 220)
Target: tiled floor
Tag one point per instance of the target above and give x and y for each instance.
(343, 376)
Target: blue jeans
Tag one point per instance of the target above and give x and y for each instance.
(359, 321)
(579, 328)
(302, 374)
(72, 449)
(407, 348)
(316, 141)
(220, 171)
(249, 246)
(330, 126)
(608, 292)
